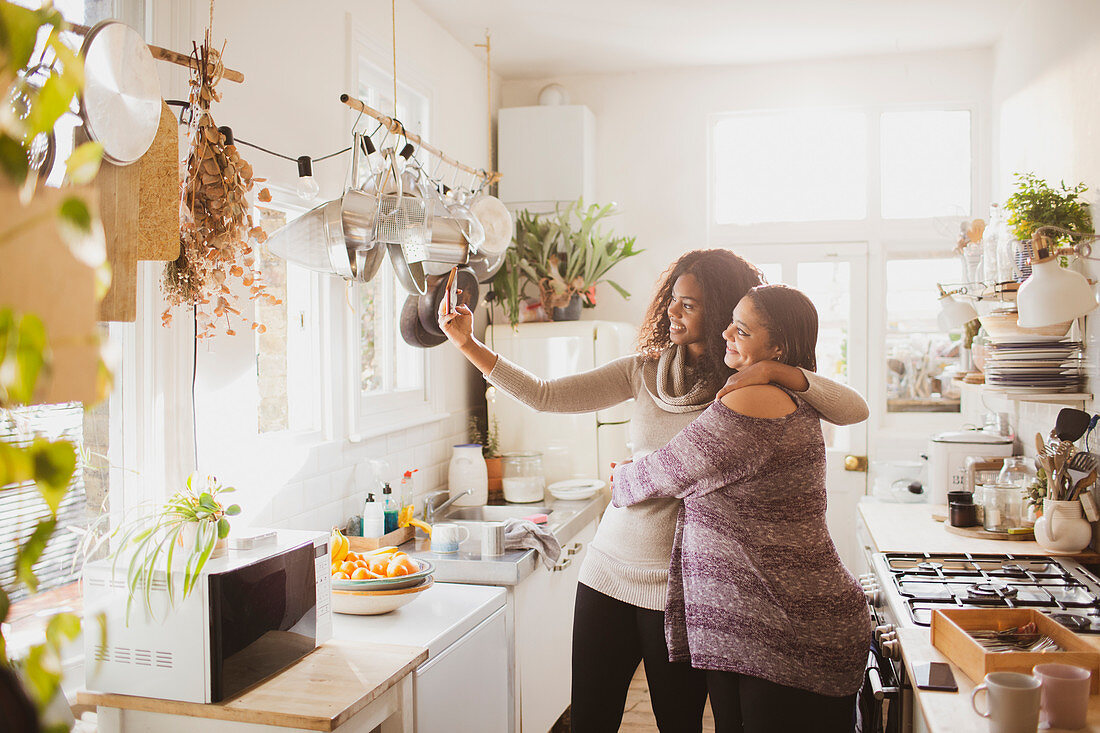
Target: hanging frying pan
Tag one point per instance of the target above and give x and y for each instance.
(412, 332)
(428, 304)
(120, 104)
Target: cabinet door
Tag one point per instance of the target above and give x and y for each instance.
(473, 668)
(544, 635)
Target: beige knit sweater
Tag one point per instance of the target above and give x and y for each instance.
(629, 557)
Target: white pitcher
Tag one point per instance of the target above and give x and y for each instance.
(467, 471)
(1062, 528)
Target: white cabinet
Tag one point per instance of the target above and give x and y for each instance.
(474, 668)
(546, 153)
(544, 634)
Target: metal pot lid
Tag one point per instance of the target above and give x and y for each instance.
(971, 436)
(121, 101)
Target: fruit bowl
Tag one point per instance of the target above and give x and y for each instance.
(401, 581)
(375, 602)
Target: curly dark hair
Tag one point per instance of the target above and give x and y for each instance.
(725, 278)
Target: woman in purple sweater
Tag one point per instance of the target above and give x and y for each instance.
(757, 595)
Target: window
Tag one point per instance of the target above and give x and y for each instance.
(787, 166)
(925, 164)
(388, 372)
(287, 351)
(917, 350)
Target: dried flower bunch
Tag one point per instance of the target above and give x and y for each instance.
(216, 229)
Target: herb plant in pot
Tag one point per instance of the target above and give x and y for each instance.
(1035, 203)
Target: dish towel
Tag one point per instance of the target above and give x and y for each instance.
(523, 534)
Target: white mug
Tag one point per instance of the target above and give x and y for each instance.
(447, 537)
(1013, 700)
(1065, 694)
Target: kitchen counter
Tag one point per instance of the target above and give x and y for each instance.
(950, 712)
(468, 565)
(342, 682)
(910, 528)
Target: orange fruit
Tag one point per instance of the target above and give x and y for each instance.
(354, 557)
(340, 576)
(411, 565)
(397, 567)
(378, 565)
(348, 567)
(360, 574)
(336, 566)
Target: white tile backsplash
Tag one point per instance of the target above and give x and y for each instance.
(335, 477)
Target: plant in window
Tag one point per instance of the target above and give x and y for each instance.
(1035, 203)
(31, 111)
(563, 256)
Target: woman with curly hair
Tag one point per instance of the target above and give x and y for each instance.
(676, 374)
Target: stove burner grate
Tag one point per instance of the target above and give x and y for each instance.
(1071, 622)
(930, 566)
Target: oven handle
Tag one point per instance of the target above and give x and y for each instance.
(877, 688)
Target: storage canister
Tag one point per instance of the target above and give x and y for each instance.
(523, 477)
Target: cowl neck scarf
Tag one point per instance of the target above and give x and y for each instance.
(673, 385)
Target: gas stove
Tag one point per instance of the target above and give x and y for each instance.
(913, 585)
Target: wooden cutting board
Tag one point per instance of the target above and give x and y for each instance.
(118, 188)
(159, 207)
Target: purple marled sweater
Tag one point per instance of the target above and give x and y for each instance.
(755, 585)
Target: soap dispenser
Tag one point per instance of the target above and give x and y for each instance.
(374, 521)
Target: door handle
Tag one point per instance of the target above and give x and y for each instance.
(855, 463)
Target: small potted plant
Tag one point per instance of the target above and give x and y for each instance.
(181, 535)
(1036, 203)
(562, 257)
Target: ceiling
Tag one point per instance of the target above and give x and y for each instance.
(540, 38)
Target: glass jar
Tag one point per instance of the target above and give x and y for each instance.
(1003, 505)
(523, 478)
(1017, 471)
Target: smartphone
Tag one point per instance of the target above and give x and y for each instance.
(451, 296)
(934, 676)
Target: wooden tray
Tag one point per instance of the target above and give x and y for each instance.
(981, 534)
(949, 635)
(394, 538)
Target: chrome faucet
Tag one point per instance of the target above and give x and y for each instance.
(430, 507)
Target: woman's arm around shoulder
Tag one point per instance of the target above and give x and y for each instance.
(760, 400)
(838, 403)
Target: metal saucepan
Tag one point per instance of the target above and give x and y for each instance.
(412, 331)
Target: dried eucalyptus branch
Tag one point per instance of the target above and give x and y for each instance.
(216, 229)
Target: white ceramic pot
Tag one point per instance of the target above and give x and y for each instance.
(467, 471)
(1063, 527)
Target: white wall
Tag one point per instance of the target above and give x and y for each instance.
(1047, 71)
(297, 58)
(651, 136)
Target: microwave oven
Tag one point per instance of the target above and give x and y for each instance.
(251, 614)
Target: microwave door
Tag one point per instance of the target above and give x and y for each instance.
(263, 618)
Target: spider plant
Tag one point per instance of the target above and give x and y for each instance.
(184, 532)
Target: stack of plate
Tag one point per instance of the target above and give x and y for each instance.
(380, 595)
(575, 489)
(1039, 366)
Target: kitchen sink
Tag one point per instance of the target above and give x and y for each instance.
(493, 513)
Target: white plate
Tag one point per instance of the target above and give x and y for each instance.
(575, 489)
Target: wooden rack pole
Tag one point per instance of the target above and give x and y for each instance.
(397, 128)
(165, 54)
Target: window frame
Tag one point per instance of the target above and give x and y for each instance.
(373, 414)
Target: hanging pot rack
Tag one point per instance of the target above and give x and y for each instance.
(396, 128)
(165, 54)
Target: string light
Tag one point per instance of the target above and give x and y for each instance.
(307, 187)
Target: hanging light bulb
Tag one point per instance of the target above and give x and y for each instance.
(307, 187)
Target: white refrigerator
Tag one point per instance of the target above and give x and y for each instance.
(572, 445)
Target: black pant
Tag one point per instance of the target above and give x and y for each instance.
(744, 704)
(610, 637)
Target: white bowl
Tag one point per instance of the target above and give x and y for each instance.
(1003, 327)
(372, 603)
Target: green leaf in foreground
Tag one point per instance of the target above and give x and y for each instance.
(31, 550)
(83, 165)
(75, 213)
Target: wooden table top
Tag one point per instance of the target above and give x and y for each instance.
(319, 692)
(910, 528)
